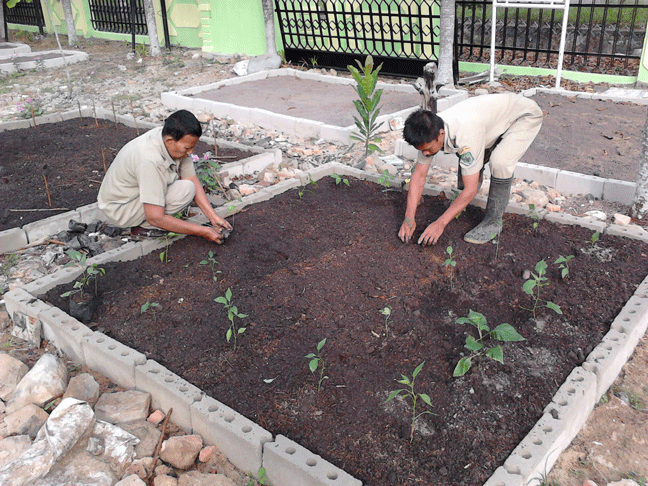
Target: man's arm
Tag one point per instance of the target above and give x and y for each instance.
(432, 233)
(156, 216)
(417, 181)
(203, 203)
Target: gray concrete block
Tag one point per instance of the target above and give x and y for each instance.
(238, 113)
(44, 284)
(125, 253)
(574, 400)
(12, 239)
(167, 391)
(586, 222)
(619, 191)
(336, 134)
(404, 149)
(631, 231)
(91, 212)
(574, 183)
(307, 128)
(17, 300)
(240, 439)
(543, 175)
(259, 162)
(501, 477)
(539, 449)
(149, 245)
(14, 125)
(65, 333)
(434, 190)
(111, 358)
(49, 226)
(289, 464)
(325, 170)
(633, 320)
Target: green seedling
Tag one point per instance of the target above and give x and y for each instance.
(413, 395)
(90, 273)
(206, 170)
(386, 178)
(211, 261)
(594, 238)
(500, 225)
(455, 194)
(450, 263)
(367, 106)
(533, 214)
(262, 478)
(232, 311)
(153, 306)
(503, 332)
(315, 361)
(534, 284)
(386, 311)
(563, 264)
(339, 179)
(166, 239)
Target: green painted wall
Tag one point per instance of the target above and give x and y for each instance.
(237, 27)
(642, 76)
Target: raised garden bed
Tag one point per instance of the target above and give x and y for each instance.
(322, 264)
(69, 157)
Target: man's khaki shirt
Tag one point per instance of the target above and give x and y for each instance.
(140, 174)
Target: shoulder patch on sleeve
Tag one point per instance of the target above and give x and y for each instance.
(466, 158)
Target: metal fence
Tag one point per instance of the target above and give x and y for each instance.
(400, 34)
(603, 37)
(25, 13)
(120, 16)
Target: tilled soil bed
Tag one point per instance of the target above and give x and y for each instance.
(323, 265)
(67, 156)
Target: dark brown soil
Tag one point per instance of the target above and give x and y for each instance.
(69, 156)
(323, 266)
(593, 137)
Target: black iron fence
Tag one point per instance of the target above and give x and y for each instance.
(603, 37)
(25, 13)
(120, 16)
(400, 34)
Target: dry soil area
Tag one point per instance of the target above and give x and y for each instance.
(613, 443)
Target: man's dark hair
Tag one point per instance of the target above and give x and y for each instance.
(181, 123)
(422, 127)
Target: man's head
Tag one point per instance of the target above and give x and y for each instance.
(424, 130)
(180, 133)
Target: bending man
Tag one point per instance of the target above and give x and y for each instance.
(498, 128)
(153, 177)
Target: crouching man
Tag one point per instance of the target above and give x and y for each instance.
(153, 177)
(496, 128)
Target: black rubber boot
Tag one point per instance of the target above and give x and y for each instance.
(498, 198)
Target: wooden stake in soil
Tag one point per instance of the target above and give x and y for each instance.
(33, 116)
(213, 127)
(114, 114)
(156, 454)
(134, 119)
(79, 105)
(94, 113)
(103, 157)
(49, 199)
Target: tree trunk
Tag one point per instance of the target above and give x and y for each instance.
(268, 18)
(640, 203)
(154, 43)
(73, 40)
(446, 42)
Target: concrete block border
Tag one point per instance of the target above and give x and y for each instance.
(248, 446)
(31, 60)
(188, 99)
(16, 238)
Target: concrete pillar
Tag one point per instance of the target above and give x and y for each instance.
(642, 75)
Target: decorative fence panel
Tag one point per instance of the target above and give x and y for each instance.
(24, 13)
(400, 34)
(115, 16)
(603, 37)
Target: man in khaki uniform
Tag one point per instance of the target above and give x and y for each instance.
(495, 128)
(153, 177)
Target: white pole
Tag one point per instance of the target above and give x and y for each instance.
(492, 50)
(563, 36)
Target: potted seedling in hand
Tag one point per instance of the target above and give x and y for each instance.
(84, 294)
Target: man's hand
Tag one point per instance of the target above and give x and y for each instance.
(432, 233)
(218, 221)
(407, 230)
(213, 234)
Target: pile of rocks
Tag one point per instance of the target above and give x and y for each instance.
(56, 430)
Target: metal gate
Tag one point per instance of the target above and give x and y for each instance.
(602, 36)
(115, 16)
(24, 13)
(400, 34)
